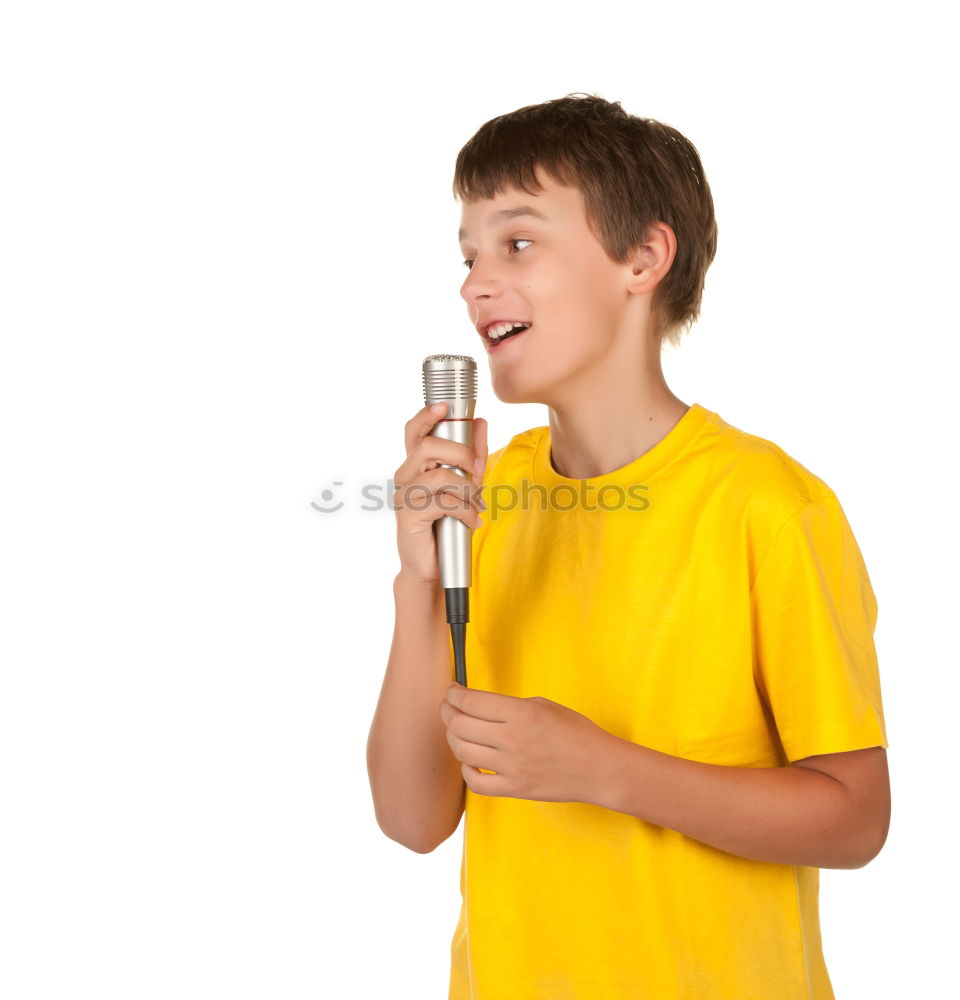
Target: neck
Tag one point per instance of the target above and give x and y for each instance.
(604, 427)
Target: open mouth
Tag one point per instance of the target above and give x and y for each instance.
(495, 343)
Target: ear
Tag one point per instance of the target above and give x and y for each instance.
(650, 260)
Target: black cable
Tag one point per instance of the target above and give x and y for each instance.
(458, 614)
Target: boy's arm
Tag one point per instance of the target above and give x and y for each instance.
(827, 811)
(418, 791)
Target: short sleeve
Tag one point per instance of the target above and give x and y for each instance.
(814, 614)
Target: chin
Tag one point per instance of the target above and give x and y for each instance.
(507, 393)
(512, 387)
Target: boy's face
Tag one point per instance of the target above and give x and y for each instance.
(551, 272)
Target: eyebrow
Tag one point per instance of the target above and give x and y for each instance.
(509, 213)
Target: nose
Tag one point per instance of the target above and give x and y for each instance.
(480, 283)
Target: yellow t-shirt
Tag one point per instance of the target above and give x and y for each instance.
(714, 605)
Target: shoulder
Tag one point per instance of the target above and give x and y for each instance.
(770, 482)
(513, 460)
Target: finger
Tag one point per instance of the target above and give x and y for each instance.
(485, 784)
(431, 452)
(480, 447)
(474, 754)
(479, 731)
(417, 506)
(433, 483)
(483, 704)
(420, 424)
(449, 482)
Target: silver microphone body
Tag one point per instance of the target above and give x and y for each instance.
(452, 379)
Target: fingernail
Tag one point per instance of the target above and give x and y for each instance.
(437, 407)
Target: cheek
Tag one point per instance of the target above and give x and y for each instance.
(576, 301)
(563, 297)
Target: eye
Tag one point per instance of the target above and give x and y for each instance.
(468, 264)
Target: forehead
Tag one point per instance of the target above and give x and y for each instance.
(556, 204)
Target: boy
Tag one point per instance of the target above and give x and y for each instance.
(674, 714)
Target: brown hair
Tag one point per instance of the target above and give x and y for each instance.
(631, 171)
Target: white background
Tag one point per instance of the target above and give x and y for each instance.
(228, 241)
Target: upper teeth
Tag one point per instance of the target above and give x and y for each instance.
(501, 328)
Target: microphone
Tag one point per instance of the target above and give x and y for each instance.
(452, 379)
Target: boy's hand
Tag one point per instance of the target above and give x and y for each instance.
(538, 748)
(424, 491)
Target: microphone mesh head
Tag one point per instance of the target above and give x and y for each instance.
(449, 378)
